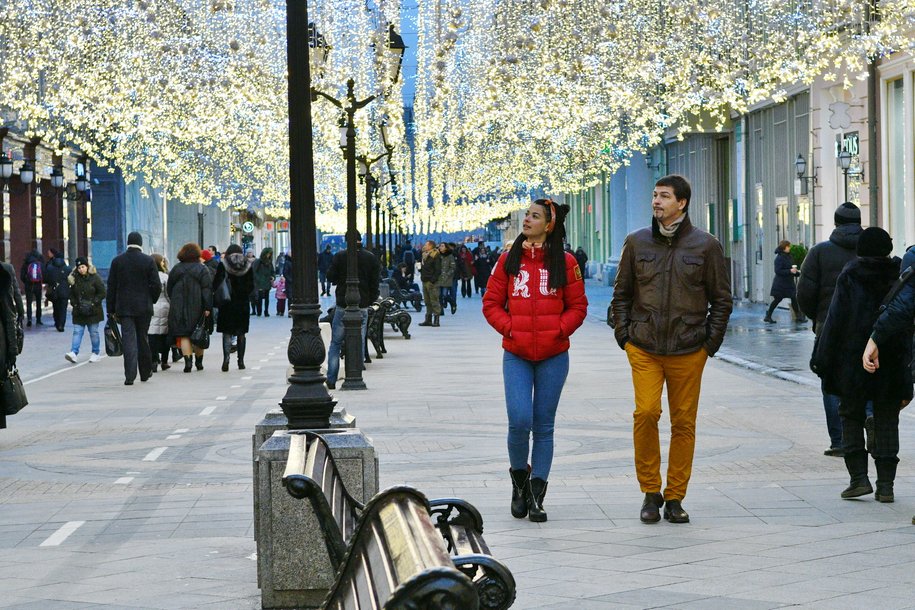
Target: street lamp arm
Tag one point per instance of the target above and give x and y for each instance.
(315, 93)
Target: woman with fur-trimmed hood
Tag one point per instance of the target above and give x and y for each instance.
(87, 291)
(234, 314)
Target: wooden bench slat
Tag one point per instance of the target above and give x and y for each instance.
(296, 457)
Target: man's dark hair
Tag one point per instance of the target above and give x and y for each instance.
(680, 185)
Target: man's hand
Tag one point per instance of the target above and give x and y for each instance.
(904, 403)
(206, 313)
(870, 359)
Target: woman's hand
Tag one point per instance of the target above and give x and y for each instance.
(904, 403)
(206, 313)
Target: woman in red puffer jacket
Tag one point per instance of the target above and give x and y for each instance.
(535, 299)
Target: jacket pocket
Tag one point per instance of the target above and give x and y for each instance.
(693, 267)
(641, 329)
(691, 332)
(645, 267)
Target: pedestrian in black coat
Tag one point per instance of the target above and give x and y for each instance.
(783, 283)
(816, 282)
(825, 261)
(324, 260)
(133, 287)
(582, 259)
(8, 324)
(860, 289)
(32, 277)
(190, 294)
(57, 291)
(234, 315)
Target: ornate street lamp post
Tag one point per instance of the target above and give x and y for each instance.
(306, 403)
(352, 316)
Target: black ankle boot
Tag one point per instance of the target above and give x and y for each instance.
(536, 490)
(188, 364)
(520, 480)
(886, 474)
(225, 364)
(427, 321)
(435, 319)
(198, 362)
(859, 485)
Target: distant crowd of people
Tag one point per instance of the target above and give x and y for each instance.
(156, 308)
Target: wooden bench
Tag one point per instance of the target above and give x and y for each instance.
(396, 559)
(311, 473)
(374, 331)
(399, 319)
(403, 297)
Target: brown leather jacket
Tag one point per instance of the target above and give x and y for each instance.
(671, 295)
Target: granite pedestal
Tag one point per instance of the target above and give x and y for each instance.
(293, 567)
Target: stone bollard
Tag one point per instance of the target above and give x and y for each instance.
(273, 421)
(293, 568)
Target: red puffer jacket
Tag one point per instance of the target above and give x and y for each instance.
(534, 320)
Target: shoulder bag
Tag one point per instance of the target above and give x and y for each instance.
(223, 292)
(113, 345)
(199, 336)
(14, 398)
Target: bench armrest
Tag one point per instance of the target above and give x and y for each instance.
(493, 581)
(301, 486)
(467, 515)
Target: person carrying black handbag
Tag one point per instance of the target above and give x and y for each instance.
(133, 287)
(190, 292)
(8, 345)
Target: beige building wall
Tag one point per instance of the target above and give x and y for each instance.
(838, 118)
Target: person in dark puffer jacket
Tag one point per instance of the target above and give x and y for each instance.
(535, 299)
(87, 291)
(854, 309)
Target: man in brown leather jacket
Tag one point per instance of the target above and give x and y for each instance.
(670, 309)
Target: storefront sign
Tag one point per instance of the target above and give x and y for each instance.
(248, 227)
(847, 141)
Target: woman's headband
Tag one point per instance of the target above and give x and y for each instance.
(552, 206)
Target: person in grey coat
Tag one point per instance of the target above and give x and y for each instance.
(133, 287)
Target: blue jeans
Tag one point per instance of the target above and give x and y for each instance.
(78, 330)
(337, 335)
(833, 421)
(532, 391)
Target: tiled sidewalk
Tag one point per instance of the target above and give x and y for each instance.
(172, 528)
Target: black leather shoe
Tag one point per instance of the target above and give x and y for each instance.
(835, 452)
(674, 512)
(128, 382)
(651, 508)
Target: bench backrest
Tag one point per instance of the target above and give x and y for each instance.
(397, 559)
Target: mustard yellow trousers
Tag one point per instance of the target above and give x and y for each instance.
(683, 376)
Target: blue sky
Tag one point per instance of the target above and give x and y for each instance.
(408, 16)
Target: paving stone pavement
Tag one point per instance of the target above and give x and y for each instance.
(140, 497)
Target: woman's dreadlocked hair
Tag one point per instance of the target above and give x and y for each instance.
(553, 252)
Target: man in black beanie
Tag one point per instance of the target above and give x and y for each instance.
(133, 287)
(815, 286)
